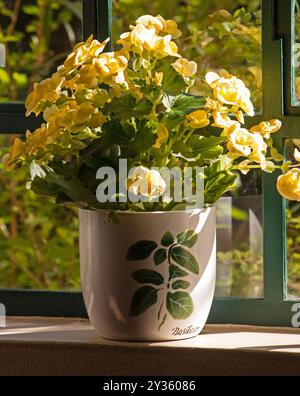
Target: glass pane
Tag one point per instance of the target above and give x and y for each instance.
(296, 56)
(38, 239)
(36, 35)
(240, 241)
(292, 233)
(217, 34)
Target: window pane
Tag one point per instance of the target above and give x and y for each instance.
(296, 56)
(217, 34)
(240, 241)
(293, 234)
(38, 239)
(37, 34)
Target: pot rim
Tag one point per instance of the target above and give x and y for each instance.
(161, 212)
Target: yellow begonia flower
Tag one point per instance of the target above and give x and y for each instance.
(240, 142)
(111, 64)
(162, 136)
(197, 119)
(83, 52)
(288, 185)
(185, 67)
(158, 78)
(149, 21)
(17, 149)
(142, 39)
(146, 182)
(297, 155)
(160, 25)
(47, 90)
(172, 29)
(230, 90)
(223, 121)
(265, 128)
(74, 117)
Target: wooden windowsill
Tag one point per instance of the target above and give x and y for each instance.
(60, 346)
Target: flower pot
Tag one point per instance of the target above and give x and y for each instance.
(152, 276)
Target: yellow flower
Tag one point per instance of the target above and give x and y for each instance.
(139, 39)
(46, 91)
(142, 39)
(230, 90)
(297, 155)
(246, 144)
(197, 119)
(16, 151)
(160, 25)
(240, 142)
(185, 67)
(164, 46)
(288, 185)
(87, 77)
(172, 29)
(259, 149)
(162, 135)
(111, 63)
(223, 121)
(146, 182)
(149, 21)
(158, 78)
(265, 128)
(82, 53)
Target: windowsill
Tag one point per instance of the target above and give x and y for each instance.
(59, 346)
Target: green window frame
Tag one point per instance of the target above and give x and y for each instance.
(274, 308)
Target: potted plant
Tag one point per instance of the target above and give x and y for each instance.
(145, 162)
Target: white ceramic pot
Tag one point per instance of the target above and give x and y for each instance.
(152, 276)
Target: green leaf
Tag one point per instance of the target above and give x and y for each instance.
(167, 239)
(176, 272)
(173, 83)
(185, 259)
(127, 107)
(180, 305)
(187, 238)
(148, 276)
(141, 250)
(180, 284)
(143, 299)
(185, 104)
(160, 256)
(116, 133)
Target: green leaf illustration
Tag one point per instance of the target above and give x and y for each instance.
(181, 284)
(148, 276)
(179, 305)
(141, 250)
(167, 239)
(160, 256)
(187, 238)
(185, 259)
(143, 298)
(176, 272)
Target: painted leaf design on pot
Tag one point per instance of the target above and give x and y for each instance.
(185, 259)
(160, 256)
(143, 298)
(148, 276)
(181, 284)
(187, 238)
(167, 239)
(141, 250)
(180, 305)
(176, 272)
